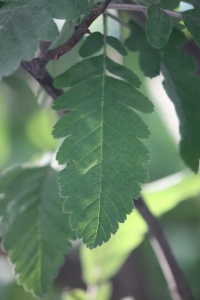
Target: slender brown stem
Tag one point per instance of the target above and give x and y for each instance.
(142, 8)
(38, 64)
(177, 284)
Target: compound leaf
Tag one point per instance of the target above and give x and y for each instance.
(27, 22)
(33, 221)
(159, 26)
(191, 19)
(183, 90)
(103, 152)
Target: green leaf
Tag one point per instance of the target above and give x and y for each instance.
(93, 44)
(122, 72)
(116, 44)
(149, 60)
(23, 23)
(149, 57)
(191, 19)
(110, 257)
(32, 216)
(103, 175)
(103, 153)
(183, 90)
(5, 182)
(133, 41)
(169, 4)
(87, 68)
(83, 6)
(159, 26)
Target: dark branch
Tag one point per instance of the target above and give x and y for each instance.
(38, 64)
(142, 8)
(46, 81)
(176, 281)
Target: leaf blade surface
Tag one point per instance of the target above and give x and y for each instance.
(159, 26)
(183, 90)
(93, 43)
(32, 217)
(116, 44)
(100, 180)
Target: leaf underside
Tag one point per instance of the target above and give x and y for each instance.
(191, 19)
(159, 26)
(103, 153)
(183, 89)
(29, 21)
(34, 229)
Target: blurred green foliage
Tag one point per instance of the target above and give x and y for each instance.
(25, 130)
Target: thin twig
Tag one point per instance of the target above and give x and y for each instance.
(142, 8)
(117, 19)
(38, 64)
(177, 284)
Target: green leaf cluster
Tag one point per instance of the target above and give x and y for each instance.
(103, 152)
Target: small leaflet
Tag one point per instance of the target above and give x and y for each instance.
(159, 26)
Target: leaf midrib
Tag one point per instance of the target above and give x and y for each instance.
(102, 123)
(40, 226)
